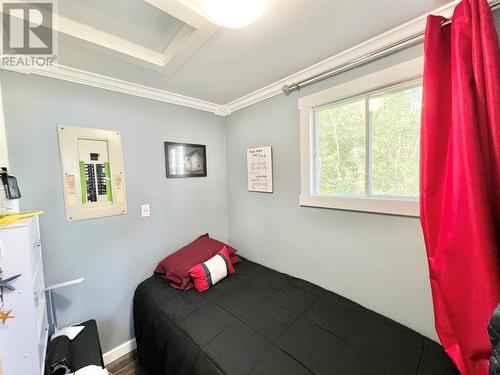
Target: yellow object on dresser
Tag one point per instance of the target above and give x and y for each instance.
(7, 218)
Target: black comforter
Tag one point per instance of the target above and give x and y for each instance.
(259, 321)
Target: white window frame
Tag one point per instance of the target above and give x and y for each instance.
(405, 72)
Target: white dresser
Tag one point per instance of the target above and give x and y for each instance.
(23, 339)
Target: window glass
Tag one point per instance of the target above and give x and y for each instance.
(395, 142)
(379, 131)
(340, 149)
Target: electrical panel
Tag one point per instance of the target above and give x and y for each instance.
(92, 172)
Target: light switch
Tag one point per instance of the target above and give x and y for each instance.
(145, 210)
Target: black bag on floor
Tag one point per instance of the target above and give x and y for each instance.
(65, 356)
(494, 332)
(58, 360)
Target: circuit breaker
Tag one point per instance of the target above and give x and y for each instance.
(92, 172)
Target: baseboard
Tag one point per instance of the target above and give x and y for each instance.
(119, 351)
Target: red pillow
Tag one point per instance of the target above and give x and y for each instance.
(207, 274)
(235, 259)
(175, 267)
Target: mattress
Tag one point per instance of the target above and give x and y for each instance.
(260, 321)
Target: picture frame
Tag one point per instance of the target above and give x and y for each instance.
(184, 160)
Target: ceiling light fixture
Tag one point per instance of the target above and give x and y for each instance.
(234, 14)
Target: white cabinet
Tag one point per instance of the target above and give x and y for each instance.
(23, 340)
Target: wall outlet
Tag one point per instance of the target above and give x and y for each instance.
(145, 210)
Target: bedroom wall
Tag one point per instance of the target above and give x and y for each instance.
(376, 260)
(114, 254)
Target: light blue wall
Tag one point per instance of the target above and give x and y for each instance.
(114, 254)
(376, 260)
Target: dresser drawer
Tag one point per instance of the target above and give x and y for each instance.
(39, 299)
(43, 339)
(35, 246)
(36, 256)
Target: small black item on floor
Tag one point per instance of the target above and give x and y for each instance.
(65, 356)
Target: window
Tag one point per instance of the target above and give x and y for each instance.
(369, 146)
(360, 143)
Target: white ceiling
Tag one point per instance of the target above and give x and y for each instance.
(290, 36)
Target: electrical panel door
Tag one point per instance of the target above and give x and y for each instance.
(93, 175)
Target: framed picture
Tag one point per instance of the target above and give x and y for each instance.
(185, 160)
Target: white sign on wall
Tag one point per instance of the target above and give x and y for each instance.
(260, 169)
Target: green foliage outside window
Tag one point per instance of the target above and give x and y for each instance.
(341, 149)
(394, 128)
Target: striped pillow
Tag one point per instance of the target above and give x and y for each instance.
(209, 273)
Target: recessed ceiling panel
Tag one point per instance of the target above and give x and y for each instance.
(133, 20)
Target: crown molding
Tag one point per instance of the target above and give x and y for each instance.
(222, 110)
(407, 29)
(83, 77)
(66, 73)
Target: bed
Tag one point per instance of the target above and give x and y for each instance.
(260, 321)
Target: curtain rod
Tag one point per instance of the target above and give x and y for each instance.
(389, 49)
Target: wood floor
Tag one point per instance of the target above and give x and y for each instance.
(126, 365)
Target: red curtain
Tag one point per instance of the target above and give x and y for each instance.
(460, 179)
